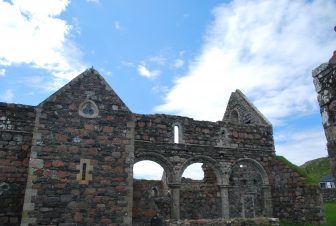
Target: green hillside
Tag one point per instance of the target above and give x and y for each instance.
(317, 168)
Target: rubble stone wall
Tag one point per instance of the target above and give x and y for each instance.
(329, 194)
(325, 86)
(81, 165)
(83, 141)
(292, 198)
(16, 125)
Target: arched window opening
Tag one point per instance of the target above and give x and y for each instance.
(150, 192)
(176, 134)
(147, 170)
(199, 188)
(154, 192)
(193, 172)
(234, 116)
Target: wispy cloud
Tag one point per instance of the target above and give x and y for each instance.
(117, 25)
(179, 63)
(145, 72)
(33, 34)
(264, 52)
(2, 72)
(7, 96)
(301, 146)
(93, 1)
(158, 59)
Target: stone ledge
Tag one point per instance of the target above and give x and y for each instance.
(226, 222)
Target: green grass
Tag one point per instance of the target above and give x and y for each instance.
(302, 172)
(330, 214)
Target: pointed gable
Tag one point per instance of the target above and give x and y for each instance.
(92, 87)
(241, 110)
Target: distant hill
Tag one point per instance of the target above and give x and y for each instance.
(317, 168)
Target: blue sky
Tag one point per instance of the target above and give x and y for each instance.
(178, 57)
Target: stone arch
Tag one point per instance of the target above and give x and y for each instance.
(205, 159)
(256, 164)
(159, 159)
(202, 193)
(249, 190)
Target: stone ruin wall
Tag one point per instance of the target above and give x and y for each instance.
(16, 124)
(81, 159)
(325, 85)
(226, 142)
(63, 141)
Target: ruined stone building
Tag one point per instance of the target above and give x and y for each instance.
(325, 85)
(69, 161)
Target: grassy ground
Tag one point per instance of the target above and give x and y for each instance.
(330, 214)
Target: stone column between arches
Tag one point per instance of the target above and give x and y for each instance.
(175, 199)
(224, 192)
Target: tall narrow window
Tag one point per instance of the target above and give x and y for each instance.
(176, 134)
(84, 171)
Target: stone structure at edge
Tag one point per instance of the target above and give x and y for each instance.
(69, 161)
(325, 86)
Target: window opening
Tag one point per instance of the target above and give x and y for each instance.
(84, 171)
(176, 134)
(234, 116)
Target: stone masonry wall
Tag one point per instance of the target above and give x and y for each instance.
(329, 194)
(16, 124)
(149, 198)
(82, 142)
(292, 198)
(200, 201)
(220, 145)
(325, 85)
(81, 161)
(160, 129)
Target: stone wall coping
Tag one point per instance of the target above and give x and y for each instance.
(14, 105)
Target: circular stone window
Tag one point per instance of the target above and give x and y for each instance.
(88, 109)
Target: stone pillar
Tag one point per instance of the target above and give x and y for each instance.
(175, 200)
(325, 86)
(224, 191)
(268, 209)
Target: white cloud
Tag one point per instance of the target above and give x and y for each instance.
(33, 34)
(7, 96)
(147, 170)
(145, 72)
(158, 89)
(93, 1)
(117, 25)
(194, 171)
(267, 49)
(302, 146)
(158, 59)
(179, 63)
(2, 72)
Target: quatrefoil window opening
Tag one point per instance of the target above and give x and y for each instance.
(88, 109)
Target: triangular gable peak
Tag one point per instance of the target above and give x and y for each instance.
(241, 110)
(88, 78)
